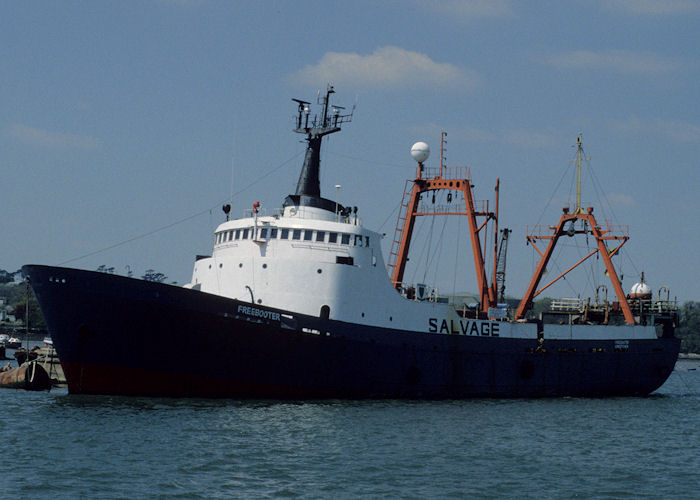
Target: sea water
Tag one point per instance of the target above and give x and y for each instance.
(57, 445)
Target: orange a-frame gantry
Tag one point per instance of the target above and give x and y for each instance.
(451, 179)
(600, 236)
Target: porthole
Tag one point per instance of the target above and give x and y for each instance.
(240, 265)
(264, 266)
(391, 318)
(363, 315)
(259, 301)
(319, 271)
(220, 266)
(209, 266)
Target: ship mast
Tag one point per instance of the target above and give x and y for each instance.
(579, 154)
(601, 234)
(315, 129)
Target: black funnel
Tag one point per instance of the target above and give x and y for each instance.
(309, 183)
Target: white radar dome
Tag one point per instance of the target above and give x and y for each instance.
(640, 291)
(420, 151)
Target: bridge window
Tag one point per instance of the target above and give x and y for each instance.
(284, 234)
(245, 234)
(308, 235)
(358, 240)
(238, 234)
(345, 239)
(273, 233)
(296, 234)
(263, 233)
(332, 237)
(320, 236)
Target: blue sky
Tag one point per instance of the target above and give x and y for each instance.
(123, 119)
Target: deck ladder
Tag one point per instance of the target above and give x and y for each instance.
(400, 223)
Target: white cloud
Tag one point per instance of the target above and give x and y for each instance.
(621, 61)
(628, 125)
(673, 130)
(459, 133)
(473, 134)
(653, 7)
(45, 138)
(621, 200)
(468, 9)
(521, 138)
(181, 3)
(679, 131)
(386, 67)
(530, 138)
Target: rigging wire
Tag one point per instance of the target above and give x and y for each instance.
(613, 217)
(418, 235)
(427, 255)
(556, 188)
(605, 206)
(394, 165)
(437, 252)
(180, 221)
(389, 216)
(459, 240)
(553, 260)
(600, 193)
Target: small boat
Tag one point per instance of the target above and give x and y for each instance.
(30, 376)
(47, 358)
(13, 343)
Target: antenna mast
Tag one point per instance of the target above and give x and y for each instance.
(579, 153)
(315, 128)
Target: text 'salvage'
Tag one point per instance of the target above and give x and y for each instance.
(464, 327)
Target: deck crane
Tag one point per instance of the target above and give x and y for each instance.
(501, 265)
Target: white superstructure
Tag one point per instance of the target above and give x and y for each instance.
(310, 261)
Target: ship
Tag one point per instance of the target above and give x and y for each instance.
(297, 302)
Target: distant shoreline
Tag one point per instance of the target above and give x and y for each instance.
(688, 355)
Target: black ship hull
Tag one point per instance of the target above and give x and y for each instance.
(116, 335)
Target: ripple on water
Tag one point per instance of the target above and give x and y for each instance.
(66, 446)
